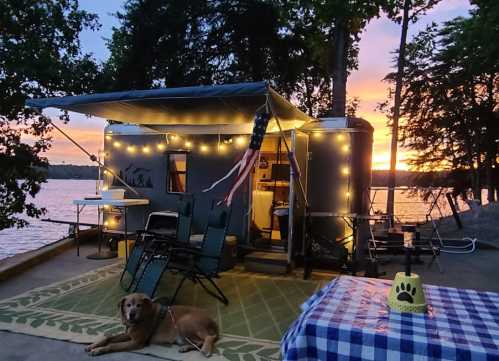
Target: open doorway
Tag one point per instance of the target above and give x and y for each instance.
(270, 189)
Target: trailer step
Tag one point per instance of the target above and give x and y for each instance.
(266, 262)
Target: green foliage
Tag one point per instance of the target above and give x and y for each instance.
(39, 57)
(449, 98)
(289, 43)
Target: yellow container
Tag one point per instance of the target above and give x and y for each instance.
(407, 294)
(121, 247)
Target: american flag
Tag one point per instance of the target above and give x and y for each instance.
(245, 165)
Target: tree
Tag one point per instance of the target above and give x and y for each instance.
(39, 56)
(289, 43)
(346, 20)
(160, 43)
(416, 8)
(449, 98)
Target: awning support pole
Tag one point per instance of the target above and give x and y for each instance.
(93, 158)
(302, 189)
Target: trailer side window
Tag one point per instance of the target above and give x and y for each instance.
(177, 172)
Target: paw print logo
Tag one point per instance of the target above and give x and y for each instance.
(405, 292)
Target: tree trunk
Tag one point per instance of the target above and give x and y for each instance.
(396, 110)
(339, 69)
(489, 176)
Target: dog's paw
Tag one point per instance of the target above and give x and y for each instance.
(96, 351)
(207, 353)
(90, 348)
(186, 348)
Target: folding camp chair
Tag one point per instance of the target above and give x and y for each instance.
(195, 264)
(149, 243)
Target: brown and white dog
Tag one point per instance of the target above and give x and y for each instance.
(148, 322)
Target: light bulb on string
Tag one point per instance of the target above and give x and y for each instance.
(221, 148)
(146, 150)
(240, 140)
(117, 144)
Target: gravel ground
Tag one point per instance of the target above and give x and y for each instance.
(483, 225)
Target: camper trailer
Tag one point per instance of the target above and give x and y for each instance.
(167, 143)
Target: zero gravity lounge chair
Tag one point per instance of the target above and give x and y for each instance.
(196, 264)
(151, 241)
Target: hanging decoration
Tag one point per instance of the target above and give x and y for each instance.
(244, 166)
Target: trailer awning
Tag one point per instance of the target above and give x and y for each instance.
(197, 105)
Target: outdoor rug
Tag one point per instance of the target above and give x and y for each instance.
(83, 308)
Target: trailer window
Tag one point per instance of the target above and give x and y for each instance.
(177, 173)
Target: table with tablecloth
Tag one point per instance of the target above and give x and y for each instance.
(349, 319)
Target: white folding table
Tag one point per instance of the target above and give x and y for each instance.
(118, 203)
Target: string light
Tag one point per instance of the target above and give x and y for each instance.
(240, 140)
(106, 223)
(161, 146)
(345, 148)
(203, 148)
(130, 149)
(108, 137)
(146, 150)
(317, 135)
(340, 137)
(347, 194)
(188, 144)
(345, 171)
(117, 144)
(174, 138)
(222, 147)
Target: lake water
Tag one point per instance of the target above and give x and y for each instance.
(57, 195)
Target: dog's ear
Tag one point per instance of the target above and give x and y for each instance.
(120, 307)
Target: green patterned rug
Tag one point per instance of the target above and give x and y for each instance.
(83, 308)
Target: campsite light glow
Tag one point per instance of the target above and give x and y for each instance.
(108, 137)
(188, 144)
(345, 148)
(318, 135)
(161, 146)
(345, 171)
(130, 149)
(222, 148)
(203, 148)
(116, 144)
(340, 137)
(240, 140)
(146, 150)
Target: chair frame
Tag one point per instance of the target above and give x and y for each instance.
(193, 272)
(149, 245)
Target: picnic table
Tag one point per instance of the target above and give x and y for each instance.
(349, 319)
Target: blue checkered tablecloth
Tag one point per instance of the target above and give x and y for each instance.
(349, 320)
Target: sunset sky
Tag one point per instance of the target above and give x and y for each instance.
(379, 39)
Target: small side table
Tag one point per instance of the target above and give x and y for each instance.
(118, 203)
